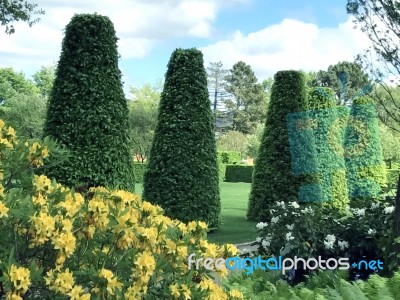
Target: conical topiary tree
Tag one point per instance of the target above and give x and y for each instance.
(87, 109)
(366, 171)
(328, 137)
(182, 173)
(286, 159)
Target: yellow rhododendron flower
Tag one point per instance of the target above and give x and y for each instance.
(3, 210)
(65, 241)
(20, 277)
(13, 296)
(236, 294)
(64, 282)
(174, 289)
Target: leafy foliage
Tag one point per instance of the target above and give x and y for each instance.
(273, 177)
(229, 157)
(14, 11)
(232, 141)
(182, 174)
(87, 110)
(238, 173)
(44, 79)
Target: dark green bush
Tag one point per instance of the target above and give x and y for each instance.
(238, 173)
(392, 178)
(275, 178)
(182, 175)
(87, 110)
(139, 169)
(229, 157)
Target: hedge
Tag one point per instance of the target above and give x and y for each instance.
(229, 157)
(238, 173)
(139, 169)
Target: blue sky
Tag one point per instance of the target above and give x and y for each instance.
(270, 35)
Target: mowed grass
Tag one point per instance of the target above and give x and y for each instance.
(234, 226)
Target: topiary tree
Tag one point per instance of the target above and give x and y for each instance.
(285, 163)
(87, 110)
(182, 174)
(366, 171)
(328, 137)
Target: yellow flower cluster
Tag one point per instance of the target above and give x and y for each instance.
(37, 153)
(109, 244)
(7, 136)
(20, 278)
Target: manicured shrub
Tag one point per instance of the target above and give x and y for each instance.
(282, 168)
(229, 157)
(57, 243)
(139, 169)
(182, 174)
(87, 110)
(366, 171)
(238, 173)
(328, 139)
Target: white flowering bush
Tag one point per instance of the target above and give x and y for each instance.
(312, 230)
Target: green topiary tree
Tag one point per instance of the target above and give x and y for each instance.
(328, 137)
(285, 163)
(366, 171)
(182, 174)
(87, 109)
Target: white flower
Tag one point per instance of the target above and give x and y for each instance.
(388, 210)
(244, 251)
(375, 205)
(289, 236)
(371, 231)
(274, 219)
(282, 204)
(261, 225)
(290, 227)
(265, 243)
(359, 212)
(294, 204)
(329, 241)
(258, 239)
(307, 210)
(330, 238)
(343, 245)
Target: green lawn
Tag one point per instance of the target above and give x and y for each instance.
(234, 227)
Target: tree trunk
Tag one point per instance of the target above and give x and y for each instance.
(396, 221)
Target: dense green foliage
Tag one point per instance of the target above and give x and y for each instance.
(229, 157)
(232, 141)
(182, 175)
(87, 110)
(139, 170)
(238, 173)
(330, 162)
(273, 178)
(324, 285)
(366, 172)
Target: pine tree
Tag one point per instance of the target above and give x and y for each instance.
(87, 111)
(182, 174)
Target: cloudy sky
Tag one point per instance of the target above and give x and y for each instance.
(270, 35)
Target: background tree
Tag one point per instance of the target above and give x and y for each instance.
(44, 79)
(390, 142)
(246, 98)
(354, 77)
(216, 83)
(13, 83)
(87, 110)
(254, 141)
(232, 141)
(182, 173)
(273, 176)
(13, 11)
(143, 111)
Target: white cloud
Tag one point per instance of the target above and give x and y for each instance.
(291, 44)
(140, 24)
